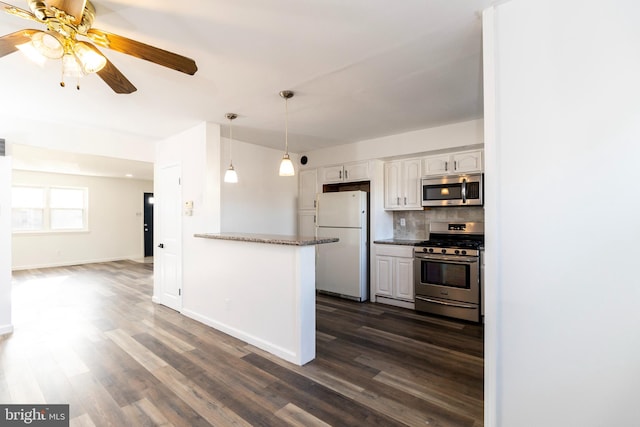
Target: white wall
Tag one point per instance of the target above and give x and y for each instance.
(453, 136)
(76, 139)
(261, 201)
(5, 245)
(561, 236)
(115, 223)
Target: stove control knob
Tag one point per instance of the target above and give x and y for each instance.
(431, 250)
(424, 250)
(457, 252)
(444, 251)
(464, 252)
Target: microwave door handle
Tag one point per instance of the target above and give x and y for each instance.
(464, 191)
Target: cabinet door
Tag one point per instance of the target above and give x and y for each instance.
(332, 174)
(384, 275)
(356, 171)
(403, 278)
(392, 171)
(307, 223)
(307, 189)
(411, 183)
(468, 162)
(437, 165)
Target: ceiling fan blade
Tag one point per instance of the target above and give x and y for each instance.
(12, 10)
(115, 79)
(143, 51)
(10, 42)
(70, 7)
(112, 76)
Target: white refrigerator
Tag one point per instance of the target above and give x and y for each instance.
(341, 267)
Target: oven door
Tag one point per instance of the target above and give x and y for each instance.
(448, 277)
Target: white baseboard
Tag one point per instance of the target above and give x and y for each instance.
(395, 302)
(283, 353)
(6, 329)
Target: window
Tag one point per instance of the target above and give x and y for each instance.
(49, 208)
(28, 205)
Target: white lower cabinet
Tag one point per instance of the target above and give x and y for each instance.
(394, 275)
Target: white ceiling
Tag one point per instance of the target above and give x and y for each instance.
(360, 69)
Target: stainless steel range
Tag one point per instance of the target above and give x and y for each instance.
(447, 270)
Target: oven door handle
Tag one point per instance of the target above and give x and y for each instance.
(447, 303)
(453, 260)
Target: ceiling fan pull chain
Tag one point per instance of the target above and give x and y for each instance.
(62, 76)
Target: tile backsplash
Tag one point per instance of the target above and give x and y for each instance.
(417, 222)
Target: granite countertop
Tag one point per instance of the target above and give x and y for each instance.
(403, 242)
(274, 239)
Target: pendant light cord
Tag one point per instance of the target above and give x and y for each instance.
(286, 126)
(230, 141)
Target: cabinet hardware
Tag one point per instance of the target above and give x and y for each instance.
(398, 201)
(346, 174)
(405, 201)
(161, 245)
(340, 174)
(455, 165)
(446, 166)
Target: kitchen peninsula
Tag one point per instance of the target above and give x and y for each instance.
(261, 289)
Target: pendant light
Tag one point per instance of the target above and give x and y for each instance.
(286, 166)
(230, 175)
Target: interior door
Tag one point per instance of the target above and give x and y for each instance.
(168, 256)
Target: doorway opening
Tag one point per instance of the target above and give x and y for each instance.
(148, 224)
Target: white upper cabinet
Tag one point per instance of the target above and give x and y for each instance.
(348, 172)
(463, 162)
(307, 189)
(402, 185)
(467, 162)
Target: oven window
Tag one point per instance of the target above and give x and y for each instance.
(442, 192)
(445, 274)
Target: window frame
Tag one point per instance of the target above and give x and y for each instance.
(48, 209)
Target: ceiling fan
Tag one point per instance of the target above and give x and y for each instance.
(66, 20)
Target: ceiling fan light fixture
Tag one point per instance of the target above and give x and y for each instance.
(71, 67)
(49, 43)
(286, 165)
(32, 53)
(90, 60)
(230, 175)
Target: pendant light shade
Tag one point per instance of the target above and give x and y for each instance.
(286, 165)
(230, 175)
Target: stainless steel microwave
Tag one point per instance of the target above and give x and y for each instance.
(452, 190)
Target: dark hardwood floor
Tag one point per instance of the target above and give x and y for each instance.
(90, 336)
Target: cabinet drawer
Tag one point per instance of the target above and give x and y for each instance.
(394, 250)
